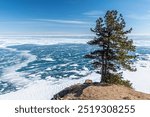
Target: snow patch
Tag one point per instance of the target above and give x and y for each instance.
(45, 89)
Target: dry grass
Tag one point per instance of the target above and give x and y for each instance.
(97, 91)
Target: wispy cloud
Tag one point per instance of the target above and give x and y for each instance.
(18, 22)
(139, 34)
(62, 21)
(145, 16)
(139, 17)
(93, 13)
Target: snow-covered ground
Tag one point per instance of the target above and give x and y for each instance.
(45, 89)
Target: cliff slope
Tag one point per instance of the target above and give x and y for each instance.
(96, 91)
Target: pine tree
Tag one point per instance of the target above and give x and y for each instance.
(115, 49)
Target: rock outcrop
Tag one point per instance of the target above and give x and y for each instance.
(97, 91)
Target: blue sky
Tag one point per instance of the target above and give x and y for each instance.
(69, 17)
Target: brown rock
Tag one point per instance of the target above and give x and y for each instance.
(88, 81)
(96, 91)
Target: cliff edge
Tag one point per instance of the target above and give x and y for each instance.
(97, 91)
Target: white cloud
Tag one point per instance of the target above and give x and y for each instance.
(139, 34)
(143, 16)
(63, 21)
(139, 17)
(93, 13)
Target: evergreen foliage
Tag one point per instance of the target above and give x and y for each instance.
(115, 49)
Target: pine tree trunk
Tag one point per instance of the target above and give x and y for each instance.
(103, 69)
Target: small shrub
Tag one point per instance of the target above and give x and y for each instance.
(117, 79)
